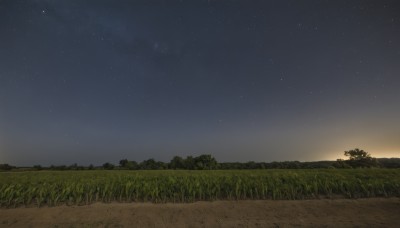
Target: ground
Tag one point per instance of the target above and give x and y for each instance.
(375, 212)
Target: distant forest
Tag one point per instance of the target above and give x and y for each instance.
(208, 162)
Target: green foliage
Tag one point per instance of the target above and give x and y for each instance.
(78, 188)
(360, 158)
(132, 165)
(123, 162)
(205, 161)
(177, 163)
(389, 162)
(6, 167)
(108, 166)
(190, 163)
(202, 162)
(151, 164)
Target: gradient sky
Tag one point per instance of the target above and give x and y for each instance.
(96, 81)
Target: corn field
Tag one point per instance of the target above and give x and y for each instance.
(54, 188)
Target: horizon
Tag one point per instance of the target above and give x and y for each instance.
(219, 162)
(184, 157)
(90, 81)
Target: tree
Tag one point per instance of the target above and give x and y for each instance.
(360, 158)
(6, 167)
(132, 165)
(108, 166)
(189, 163)
(357, 154)
(389, 162)
(177, 163)
(149, 164)
(123, 162)
(205, 161)
(340, 163)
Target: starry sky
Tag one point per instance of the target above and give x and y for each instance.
(98, 81)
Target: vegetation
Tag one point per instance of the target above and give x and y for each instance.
(6, 167)
(357, 159)
(75, 187)
(317, 179)
(360, 158)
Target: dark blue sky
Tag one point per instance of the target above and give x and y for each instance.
(96, 81)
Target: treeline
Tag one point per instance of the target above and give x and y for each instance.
(208, 162)
(6, 167)
(202, 162)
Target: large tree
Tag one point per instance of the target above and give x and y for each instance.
(177, 163)
(205, 161)
(108, 165)
(360, 158)
(123, 162)
(357, 154)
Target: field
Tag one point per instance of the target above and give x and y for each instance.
(53, 188)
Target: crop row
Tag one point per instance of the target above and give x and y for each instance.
(85, 187)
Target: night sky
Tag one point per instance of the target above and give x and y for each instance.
(99, 81)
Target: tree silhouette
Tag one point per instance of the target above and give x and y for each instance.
(357, 154)
(360, 158)
(108, 165)
(177, 163)
(123, 162)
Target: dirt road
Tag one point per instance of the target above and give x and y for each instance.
(310, 213)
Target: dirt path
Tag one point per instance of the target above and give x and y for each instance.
(309, 213)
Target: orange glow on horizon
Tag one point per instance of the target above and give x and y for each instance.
(381, 154)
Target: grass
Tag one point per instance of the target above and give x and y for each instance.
(84, 187)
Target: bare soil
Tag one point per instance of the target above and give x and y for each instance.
(376, 212)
